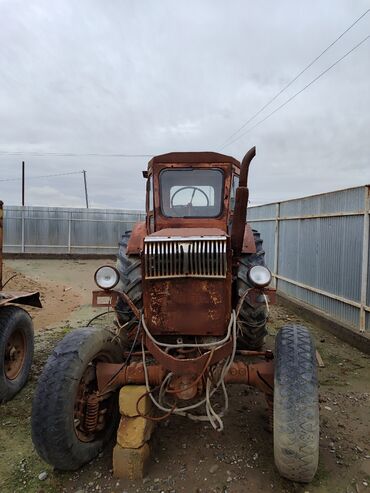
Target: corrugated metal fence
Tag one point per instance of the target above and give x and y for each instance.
(317, 247)
(71, 231)
(318, 250)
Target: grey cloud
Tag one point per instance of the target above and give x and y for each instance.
(152, 77)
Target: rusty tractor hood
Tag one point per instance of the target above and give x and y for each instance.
(187, 281)
(188, 232)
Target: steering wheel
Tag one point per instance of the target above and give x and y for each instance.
(191, 199)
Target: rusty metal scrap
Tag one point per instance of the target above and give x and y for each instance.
(20, 298)
(17, 297)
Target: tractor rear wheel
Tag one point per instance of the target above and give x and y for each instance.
(16, 350)
(296, 404)
(252, 319)
(129, 267)
(69, 424)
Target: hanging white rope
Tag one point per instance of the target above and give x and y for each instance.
(211, 415)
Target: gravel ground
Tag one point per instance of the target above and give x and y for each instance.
(187, 456)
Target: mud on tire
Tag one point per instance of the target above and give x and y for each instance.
(129, 267)
(296, 406)
(54, 428)
(252, 320)
(16, 350)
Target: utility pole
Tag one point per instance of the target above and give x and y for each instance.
(23, 214)
(23, 183)
(85, 183)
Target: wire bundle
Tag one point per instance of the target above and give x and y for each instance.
(211, 387)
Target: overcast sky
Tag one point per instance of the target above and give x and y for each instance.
(154, 76)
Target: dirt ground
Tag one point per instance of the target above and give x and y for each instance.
(187, 456)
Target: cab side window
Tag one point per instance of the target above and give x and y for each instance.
(150, 204)
(150, 193)
(234, 186)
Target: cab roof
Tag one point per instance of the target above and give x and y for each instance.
(192, 157)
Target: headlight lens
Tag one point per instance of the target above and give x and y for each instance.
(259, 275)
(106, 277)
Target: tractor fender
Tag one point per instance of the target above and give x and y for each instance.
(136, 242)
(249, 245)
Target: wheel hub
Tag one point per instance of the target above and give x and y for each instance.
(14, 354)
(90, 409)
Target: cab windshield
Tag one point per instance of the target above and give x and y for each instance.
(189, 192)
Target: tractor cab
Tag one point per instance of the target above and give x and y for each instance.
(191, 189)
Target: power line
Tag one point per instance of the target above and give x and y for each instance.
(294, 79)
(73, 154)
(299, 92)
(44, 176)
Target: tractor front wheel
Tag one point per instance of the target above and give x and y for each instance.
(16, 350)
(296, 405)
(70, 423)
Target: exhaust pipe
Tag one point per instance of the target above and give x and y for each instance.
(241, 203)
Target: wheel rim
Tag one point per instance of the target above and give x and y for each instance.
(91, 413)
(15, 353)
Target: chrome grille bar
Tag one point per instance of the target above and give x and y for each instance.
(185, 257)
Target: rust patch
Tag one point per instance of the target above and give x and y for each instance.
(187, 306)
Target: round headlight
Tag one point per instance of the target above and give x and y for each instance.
(106, 277)
(259, 275)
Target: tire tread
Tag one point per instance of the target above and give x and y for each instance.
(129, 267)
(296, 408)
(251, 336)
(53, 402)
(10, 315)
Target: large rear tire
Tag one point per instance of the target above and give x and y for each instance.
(16, 350)
(252, 319)
(129, 267)
(296, 405)
(60, 430)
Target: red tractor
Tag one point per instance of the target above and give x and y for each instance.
(16, 333)
(191, 297)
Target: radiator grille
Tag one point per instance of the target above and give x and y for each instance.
(185, 257)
